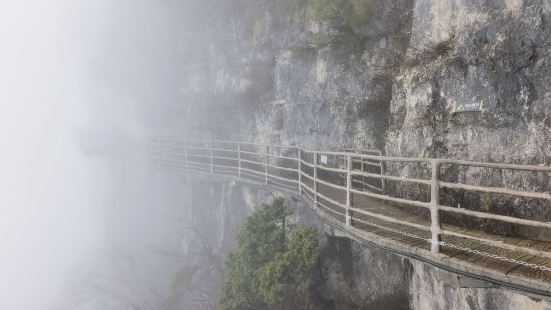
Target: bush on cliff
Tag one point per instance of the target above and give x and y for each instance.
(342, 15)
(274, 264)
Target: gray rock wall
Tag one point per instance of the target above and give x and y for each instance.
(258, 74)
(494, 54)
(491, 52)
(264, 77)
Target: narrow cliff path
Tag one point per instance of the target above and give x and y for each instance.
(375, 218)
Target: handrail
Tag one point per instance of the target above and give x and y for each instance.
(283, 179)
(269, 155)
(281, 184)
(307, 163)
(283, 168)
(496, 165)
(367, 185)
(331, 169)
(335, 186)
(503, 218)
(307, 175)
(252, 162)
(332, 201)
(224, 158)
(496, 190)
(214, 149)
(389, 177)
(271, 168)
(252, 170)
(414, 203)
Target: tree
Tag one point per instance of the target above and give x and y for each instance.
(274, 264)
(195, 284)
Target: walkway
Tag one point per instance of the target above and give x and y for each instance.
(357, 191)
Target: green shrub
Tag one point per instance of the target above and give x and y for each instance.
(485, 202)
(273, 264)
(346, 15)
(346, 18)
(258, 28)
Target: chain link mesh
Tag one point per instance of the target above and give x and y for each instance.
(403, 233)
(457, 247)
(496, 257)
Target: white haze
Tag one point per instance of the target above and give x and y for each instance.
(55, 63)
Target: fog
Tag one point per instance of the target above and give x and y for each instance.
(68, 67)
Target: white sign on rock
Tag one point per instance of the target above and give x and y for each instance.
(323, 159)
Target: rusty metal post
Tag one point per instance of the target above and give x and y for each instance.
(435, 227)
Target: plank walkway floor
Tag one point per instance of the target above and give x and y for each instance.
(379, 207)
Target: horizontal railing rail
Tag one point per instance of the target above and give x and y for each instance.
(349, 172)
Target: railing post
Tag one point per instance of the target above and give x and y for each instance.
(348, 190)
(267, 150)
(186, 153)
(239, 159)
(300, 171)
(434, 206)
(383, 181)
(315, 179)
(160, 153)
(362, 169)
(211, 164)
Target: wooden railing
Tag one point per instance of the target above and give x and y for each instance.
(304, 171)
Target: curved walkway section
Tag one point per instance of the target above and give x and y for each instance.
(363, 193)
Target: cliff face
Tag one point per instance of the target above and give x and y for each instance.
(285, 76)
(494, 53)
(400, 83)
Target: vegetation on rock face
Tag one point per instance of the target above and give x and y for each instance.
(274, 264)
(258, 28)
(345, 15)
(342, 15)
(345, 18)
(485, 202)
